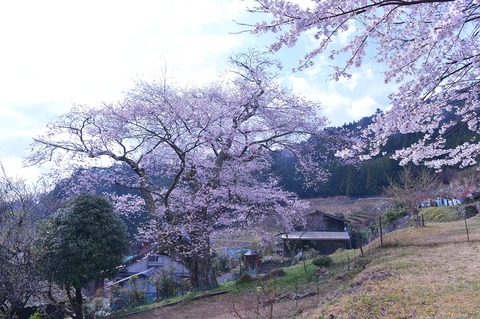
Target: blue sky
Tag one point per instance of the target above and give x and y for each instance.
(58, 53)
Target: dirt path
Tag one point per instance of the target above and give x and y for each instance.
(217, 307)
(222, 307)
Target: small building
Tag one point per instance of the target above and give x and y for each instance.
(324, 242)
(320, 221)
(323, 232)
(147, 260)
(251, 259)
(143, 267)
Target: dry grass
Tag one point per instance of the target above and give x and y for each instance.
(435, 234)
(429, 272)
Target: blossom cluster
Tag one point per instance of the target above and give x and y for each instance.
(196, 159)
(430, 48)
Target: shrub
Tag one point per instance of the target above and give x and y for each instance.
(36, 315)
(221, 263)
(470, 211)
(128, 297)
(359, 236)
(323, 261)
(394, 213)
(244, 279)
(98, 307)
(166, 283)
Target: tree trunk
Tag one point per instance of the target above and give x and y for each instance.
(202, 274)
(78, 303)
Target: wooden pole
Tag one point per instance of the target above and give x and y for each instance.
(381, 230)
(466, 226)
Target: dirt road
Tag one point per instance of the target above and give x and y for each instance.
(229, 306)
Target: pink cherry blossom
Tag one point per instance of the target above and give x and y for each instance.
(196, 159)
(431, 48)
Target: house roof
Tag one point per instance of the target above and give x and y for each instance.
(251, 253)
(317, 235)
(318, 212)
(148, 273)
(140, 255)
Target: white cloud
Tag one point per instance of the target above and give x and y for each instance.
(346, 100)
(14, 168)
(56, 53)
(89, 51)
(365, 106)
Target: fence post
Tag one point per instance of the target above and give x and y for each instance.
(466, 226)
(381, 230)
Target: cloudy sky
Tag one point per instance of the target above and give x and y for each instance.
(58, 53)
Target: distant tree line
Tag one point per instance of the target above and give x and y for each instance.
(365, 179)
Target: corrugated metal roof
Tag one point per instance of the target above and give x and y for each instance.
(317, 235)
(251, 253)
(147, 273)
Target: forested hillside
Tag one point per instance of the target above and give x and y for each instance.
(365, 179)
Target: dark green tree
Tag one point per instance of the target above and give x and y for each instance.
(84, 241)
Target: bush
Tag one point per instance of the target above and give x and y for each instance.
(244, 279)
(36, 315)
(96, 308)
(395, 213)
(359, 236)
(166, 283)
(128, 297)
(221, 263)
(323, 261)
(470, 211)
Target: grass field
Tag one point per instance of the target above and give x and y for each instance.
(428, 272)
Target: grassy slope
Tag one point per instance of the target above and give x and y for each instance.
(429, 272)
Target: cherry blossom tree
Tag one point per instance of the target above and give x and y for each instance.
(429, 47)
(196, 158)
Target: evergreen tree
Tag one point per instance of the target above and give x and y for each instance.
(84, 242)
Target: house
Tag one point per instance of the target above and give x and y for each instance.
(144, 267)
(323, 232)
(93, 287)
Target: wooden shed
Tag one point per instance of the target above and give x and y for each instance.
(323, 232)
(323, 241)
